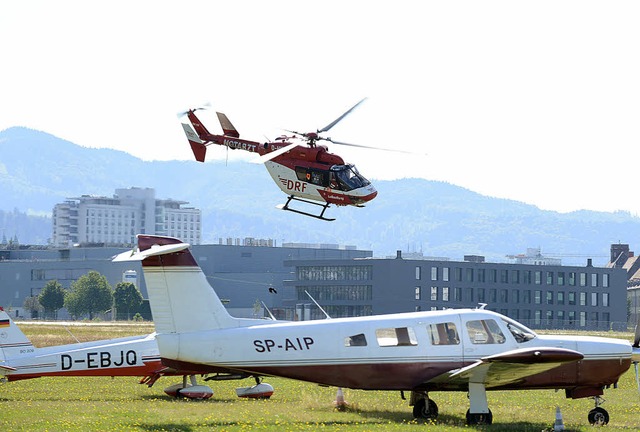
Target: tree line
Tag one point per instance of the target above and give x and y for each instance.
(88, 296)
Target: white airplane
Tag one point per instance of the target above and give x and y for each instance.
(457, 349)
(128, 356)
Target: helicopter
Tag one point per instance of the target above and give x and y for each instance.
(299, 164)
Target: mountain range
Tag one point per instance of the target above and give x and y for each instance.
(238, 200)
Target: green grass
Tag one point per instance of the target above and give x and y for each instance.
(95, 403)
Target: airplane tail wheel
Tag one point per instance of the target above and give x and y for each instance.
(598, 416)
(479, 418)
(425, 408)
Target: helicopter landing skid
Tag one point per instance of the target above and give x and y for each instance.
(320, 216)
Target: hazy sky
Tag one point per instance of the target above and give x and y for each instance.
(536, 101)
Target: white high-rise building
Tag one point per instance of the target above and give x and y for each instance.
(117, 220)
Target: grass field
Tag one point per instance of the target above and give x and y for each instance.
(121, 404)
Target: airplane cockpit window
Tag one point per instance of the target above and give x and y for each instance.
(356, 340)
(520, 333)
(485, 332)
(348, 177)
(444, 334)
(398, 336)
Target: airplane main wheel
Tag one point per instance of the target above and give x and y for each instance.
(598, 416)
(479, 418)
(425, 408)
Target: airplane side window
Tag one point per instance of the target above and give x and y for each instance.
(356, 340)
(444, 334)
(485, 332)
(399, 336)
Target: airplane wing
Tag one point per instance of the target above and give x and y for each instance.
(509, 367)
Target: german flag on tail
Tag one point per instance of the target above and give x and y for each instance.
(4, 323)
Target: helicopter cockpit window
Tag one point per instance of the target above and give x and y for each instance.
(348, 177)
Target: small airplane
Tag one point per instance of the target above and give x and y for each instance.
(471, 350)
(128, 356)
(303, 169)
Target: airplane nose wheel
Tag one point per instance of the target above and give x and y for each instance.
(598, 416)
(425, 408)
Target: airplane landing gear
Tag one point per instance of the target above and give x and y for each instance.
(598, 416)
(423, 407)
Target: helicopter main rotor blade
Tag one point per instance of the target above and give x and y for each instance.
(336, 121)
(204, 106)
(371, 147)
(267, 157)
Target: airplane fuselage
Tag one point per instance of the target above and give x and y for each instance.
(411, 348)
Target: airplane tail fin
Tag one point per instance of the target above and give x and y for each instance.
(198, 146)
(12, 341)
(181, 298)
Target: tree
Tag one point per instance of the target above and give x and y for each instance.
(32, 304)
(127, 298)
(90, 294)
(52, 298)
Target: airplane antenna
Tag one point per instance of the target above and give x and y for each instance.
(319, 307)
(481, 306)
(268, 311)
(72, 335)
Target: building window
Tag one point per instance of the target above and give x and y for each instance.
(481, 275)
(515, 276)
(549, 278)
(504, 276)
(457, 294)
(594, 279)
(560, 297)
(493, 275)
(572, 298)
(572, 278)
(583, 279)
(469, 275)
(537, 318)
(583, 319)
(526, 277)
(572, 318)
(434, 293)
(549, 297)
(515, 296)
(605, 280)
(605, 300)
(445, 274)
(561, 278)
(417, 294)
(526, 297)
(434, 273)
(594, 299)
(538, 294)
(504, 296)
(538, 277)
(457, 274)
(418, 272)
(445, 294)
(481, 295)
(583, 299)
(493, 295)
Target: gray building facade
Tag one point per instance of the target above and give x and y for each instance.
(540, 296)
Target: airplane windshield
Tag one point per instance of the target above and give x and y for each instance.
(519, 332)
(348, 177)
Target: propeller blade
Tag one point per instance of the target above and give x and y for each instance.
(336, 121)
(267, 157)
(371, 147)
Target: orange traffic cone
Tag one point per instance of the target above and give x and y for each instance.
(340, 403)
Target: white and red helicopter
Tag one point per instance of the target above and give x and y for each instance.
(303, 168)
(136, 356)
(470, 350)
